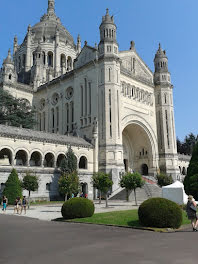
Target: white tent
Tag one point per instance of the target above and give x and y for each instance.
(175, 192)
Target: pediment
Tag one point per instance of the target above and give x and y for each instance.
(140, 71)
(86, 55)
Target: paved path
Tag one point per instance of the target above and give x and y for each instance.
(29, 241)
(52, 211)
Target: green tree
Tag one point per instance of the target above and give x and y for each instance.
(131, 181)
(15, 111)
(30, 183)
(13, 187)
(69, 163)
(68, 184)
(164, 180)
(103, 183)
(191, 179)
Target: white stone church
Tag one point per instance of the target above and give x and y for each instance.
(115, 113)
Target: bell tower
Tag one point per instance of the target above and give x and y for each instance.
(167, 146)
(110, 135)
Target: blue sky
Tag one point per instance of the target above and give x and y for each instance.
(174, 23)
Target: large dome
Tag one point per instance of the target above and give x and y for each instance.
(49, 24)
(46, 30)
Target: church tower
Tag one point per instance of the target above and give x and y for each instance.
(168, 157)
(110, 135)
(8, 74)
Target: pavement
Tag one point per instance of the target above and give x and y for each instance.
(26, 240)
(52, 211)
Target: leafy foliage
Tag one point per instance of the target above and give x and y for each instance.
(30, 183)
(77, 208)
(187, 146)
(191, 179)
(164, 180)
(131, 181)
(13, 187)
(68, 184)
(69, 163)
(160, 212)
(15, 111)
(103, 183)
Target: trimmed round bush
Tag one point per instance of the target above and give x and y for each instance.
(160, 212)
(77, 208)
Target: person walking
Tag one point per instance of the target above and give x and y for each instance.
(16, 206)
(4, 203)
(191, 210)
(24, 205)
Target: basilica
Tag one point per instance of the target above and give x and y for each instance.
(114, 112)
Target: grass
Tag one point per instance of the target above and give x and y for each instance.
(127, 218)
(46, 202)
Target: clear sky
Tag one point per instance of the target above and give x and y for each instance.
(174, 23)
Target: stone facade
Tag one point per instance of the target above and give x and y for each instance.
(106, 96)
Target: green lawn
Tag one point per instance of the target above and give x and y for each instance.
(120, 218)
(46, 202)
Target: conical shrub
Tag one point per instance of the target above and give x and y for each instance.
(13, 188)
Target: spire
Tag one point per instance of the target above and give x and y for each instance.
(8, 60)
(51, 7)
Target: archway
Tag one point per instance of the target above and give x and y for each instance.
(35, 160)
(60, 158)
(21, 158)
(137, 149)
(83, 163)
(144, 170)
(49, 160)
(5, 157)
(84, 189)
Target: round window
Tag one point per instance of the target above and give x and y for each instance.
(69, 93)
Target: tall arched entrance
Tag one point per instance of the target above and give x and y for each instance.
(137, 149)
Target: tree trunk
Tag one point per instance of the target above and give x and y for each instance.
(65, 197)
(135, 197)
(29, 200)
(127, 195)
(106, 200)
(100, 197)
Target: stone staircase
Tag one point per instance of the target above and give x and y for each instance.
(147, 191)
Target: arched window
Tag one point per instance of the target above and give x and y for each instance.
(21, 158)
(63, 61)
(184, 171)
(49, 160)
(43, 54)
(144, 169)
(69, 63)
(109, 74)
(35, 159)
(5, 157)
(52, 119)
(10, 76)
(50, 59)
(83, 163)
(60, 158)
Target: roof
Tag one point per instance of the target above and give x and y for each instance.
(33, 135)
(176, 184)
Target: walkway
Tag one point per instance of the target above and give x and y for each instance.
(52, 211)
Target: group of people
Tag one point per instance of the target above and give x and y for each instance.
(20, 205)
